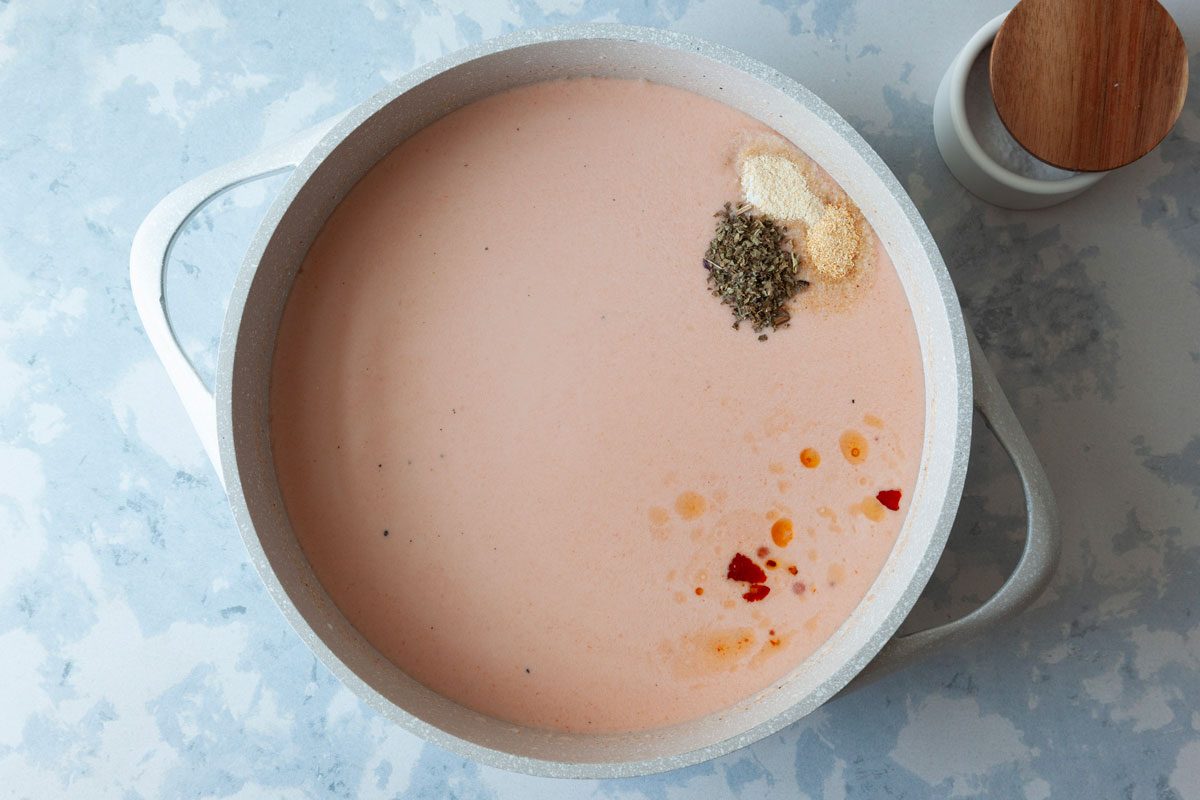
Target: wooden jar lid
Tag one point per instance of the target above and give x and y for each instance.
(1089, 85)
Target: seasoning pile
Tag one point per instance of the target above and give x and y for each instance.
(778, 184)
(752, 268)
(755, 261)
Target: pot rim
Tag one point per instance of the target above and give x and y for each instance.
(957, 348)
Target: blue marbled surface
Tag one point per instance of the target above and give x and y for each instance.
(141, 658)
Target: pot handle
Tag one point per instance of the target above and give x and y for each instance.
(152, 245)
(1042, 539)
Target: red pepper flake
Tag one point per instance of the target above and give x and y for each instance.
(762, 552)
(798, 587)
(741, 568)
(792, 569)
(699, 590)
(771, 563)
(757, 592)
(889, 498)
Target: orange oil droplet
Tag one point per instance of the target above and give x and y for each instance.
(810, 458)
(854, 447)
(870, 508)
(777, 468)
(873, 421)
(699, 590)
(690, 505)
(782, 532)
(831, 515)
(659, 516)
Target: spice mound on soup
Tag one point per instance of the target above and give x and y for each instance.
(597, 406)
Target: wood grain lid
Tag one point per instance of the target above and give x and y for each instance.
(1089, 85)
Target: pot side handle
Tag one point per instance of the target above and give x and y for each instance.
(151, 251)
(1042, 539)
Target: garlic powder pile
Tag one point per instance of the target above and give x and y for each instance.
(776, 186)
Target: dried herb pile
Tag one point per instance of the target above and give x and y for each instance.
(752, 268)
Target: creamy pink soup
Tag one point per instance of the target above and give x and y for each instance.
(520, 443)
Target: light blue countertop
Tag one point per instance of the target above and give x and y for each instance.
(140, 656)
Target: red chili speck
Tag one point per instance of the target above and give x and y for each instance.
(757, 592)
(762, 552)
(741, 568)
(889, 498)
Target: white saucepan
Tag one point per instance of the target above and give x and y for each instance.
(329, 159)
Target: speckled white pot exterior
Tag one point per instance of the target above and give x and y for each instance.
(368, 133)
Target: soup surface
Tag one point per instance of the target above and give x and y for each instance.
(523, 448)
